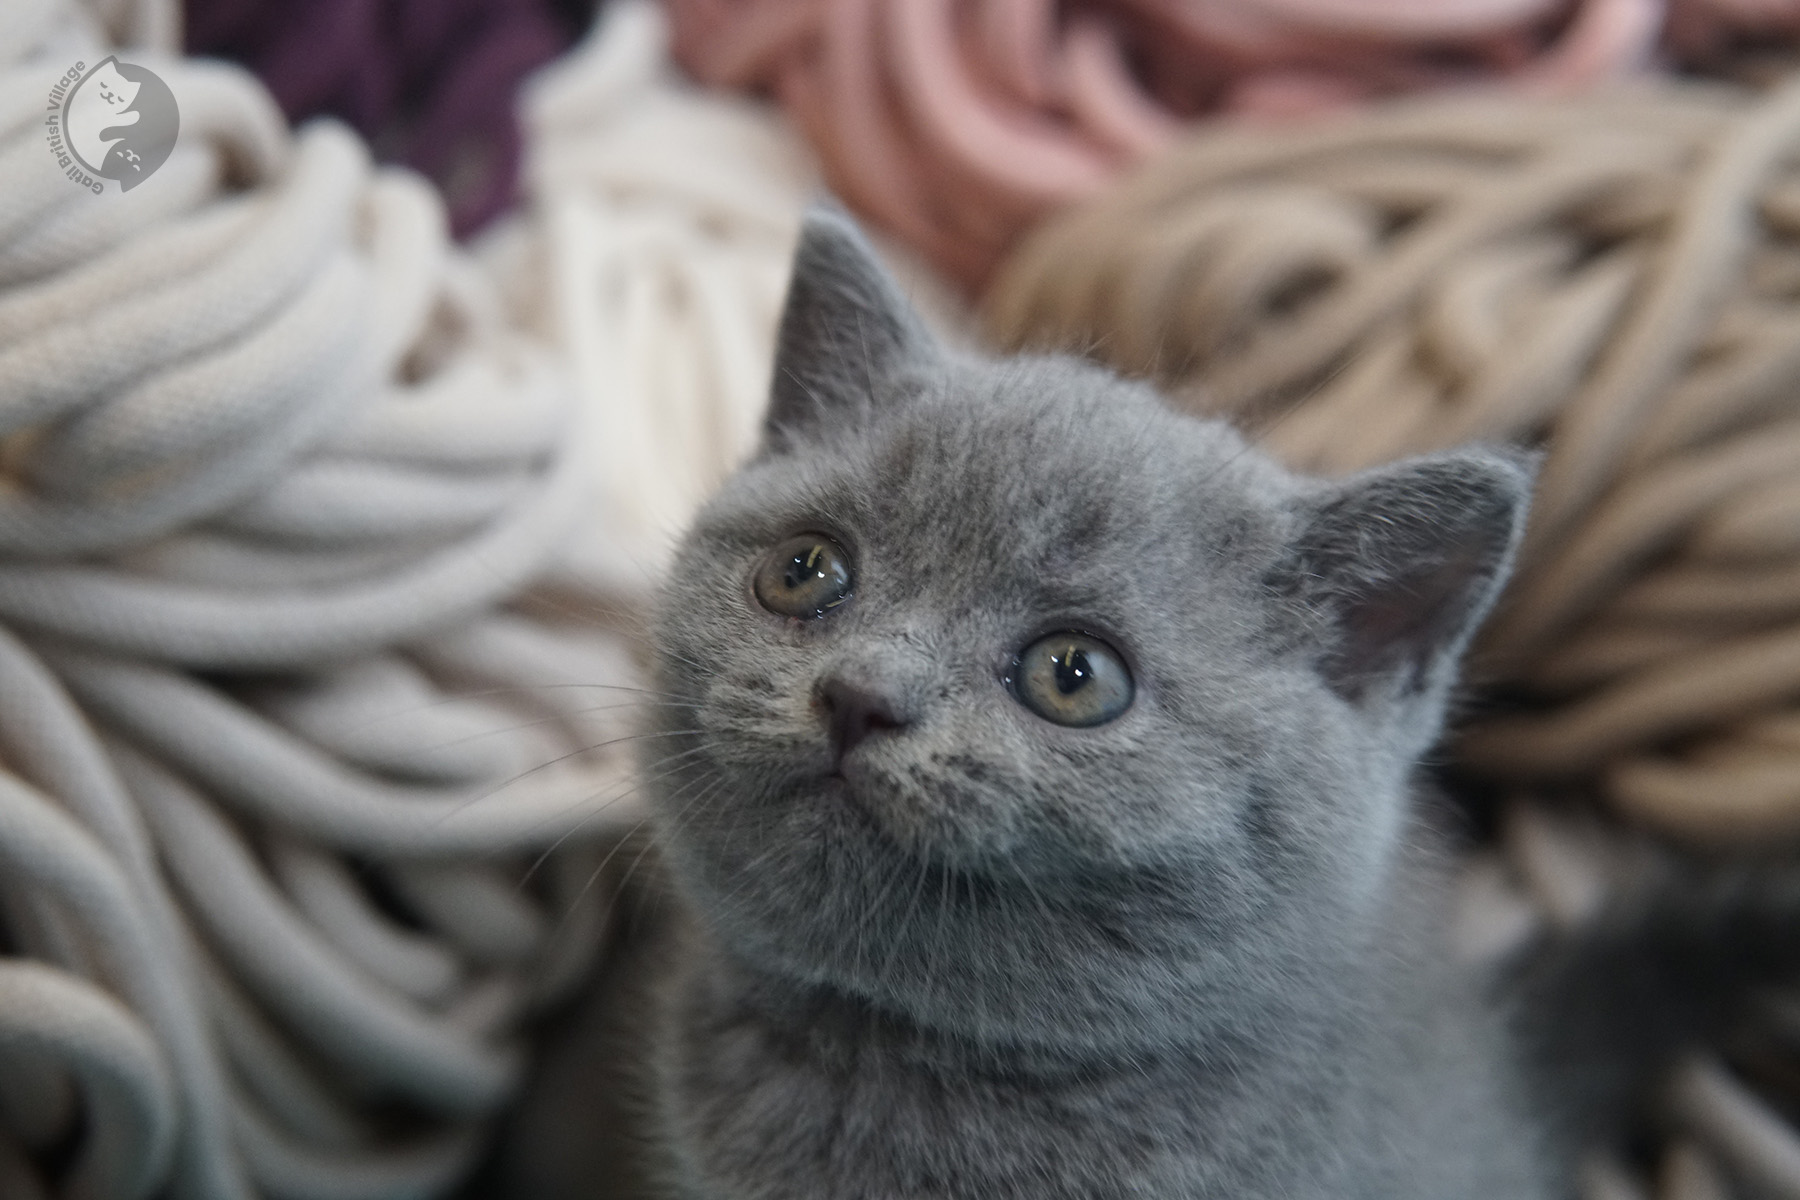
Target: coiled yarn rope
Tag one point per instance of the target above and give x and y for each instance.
(956, 123)
(1615, 279)
(297, 810)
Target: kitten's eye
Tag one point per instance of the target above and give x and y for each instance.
(1073, 679)
(806, 576)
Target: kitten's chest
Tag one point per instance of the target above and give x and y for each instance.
(747, 1117)
(747, 1113)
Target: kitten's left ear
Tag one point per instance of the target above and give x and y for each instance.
(1403, 562)
(846, 329)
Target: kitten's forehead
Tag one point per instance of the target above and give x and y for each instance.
(1047, 464)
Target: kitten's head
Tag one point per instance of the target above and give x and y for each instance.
(1022, 705)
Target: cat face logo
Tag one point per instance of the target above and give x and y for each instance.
(118, 122)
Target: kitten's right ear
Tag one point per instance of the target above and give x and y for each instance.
(845, 331)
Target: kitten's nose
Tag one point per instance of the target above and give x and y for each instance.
(854, 712)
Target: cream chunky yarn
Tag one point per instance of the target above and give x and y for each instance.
(296, 815)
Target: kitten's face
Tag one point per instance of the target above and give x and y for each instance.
(1024, 736)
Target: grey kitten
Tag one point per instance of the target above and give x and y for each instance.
(1034, 802)
(1043, 826)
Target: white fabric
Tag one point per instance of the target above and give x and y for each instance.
(654, 255)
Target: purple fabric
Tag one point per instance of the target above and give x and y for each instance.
(430, 83)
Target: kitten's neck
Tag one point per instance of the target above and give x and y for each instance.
(839, 1031)
(748, 1060)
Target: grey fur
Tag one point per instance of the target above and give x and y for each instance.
(1190, 953)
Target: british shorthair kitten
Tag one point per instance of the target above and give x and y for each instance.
(1034, 817)
(1034, 798)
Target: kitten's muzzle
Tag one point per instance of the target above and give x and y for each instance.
(854, 713)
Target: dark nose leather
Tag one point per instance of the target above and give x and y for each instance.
(854, 712)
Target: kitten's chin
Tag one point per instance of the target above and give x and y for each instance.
(854, 784)
(907, 822)
(855, 803)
